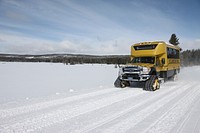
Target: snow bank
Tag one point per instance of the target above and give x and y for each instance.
(47, 97)
(29, 80)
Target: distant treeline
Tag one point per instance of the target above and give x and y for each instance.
(188, 58)
(70, 59)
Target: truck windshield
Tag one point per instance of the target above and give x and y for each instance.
(150, 60)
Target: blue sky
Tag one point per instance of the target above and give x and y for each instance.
(95, 26)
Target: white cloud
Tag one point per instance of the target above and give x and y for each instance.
(190, 44)
(94, 27)
(25, 45)
(1, 40)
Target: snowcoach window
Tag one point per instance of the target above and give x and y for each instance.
(150, 60)
(172, 53)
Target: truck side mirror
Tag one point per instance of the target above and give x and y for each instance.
(163, 61)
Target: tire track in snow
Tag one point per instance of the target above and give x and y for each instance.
(197, 128)
(69, 105)
(4, 113)
(188, 123)
(130, 122)
(48, 119)
(185, 120)
(168, 120)
(97, 124)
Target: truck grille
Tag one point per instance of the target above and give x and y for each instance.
(133, 76)
(131, 69)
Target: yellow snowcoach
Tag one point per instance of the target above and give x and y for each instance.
(151, 62)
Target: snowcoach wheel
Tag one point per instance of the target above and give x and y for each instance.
(124, 84)
(174, 78)
(152, 83)
(156, 85)
(121, 83)
(117, 82)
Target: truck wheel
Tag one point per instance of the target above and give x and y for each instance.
(121, 83)
(152, 84)
(124, 84)
(156, 84)
(174, 77)
(117, 83)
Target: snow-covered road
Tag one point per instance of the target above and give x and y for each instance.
(173, 108)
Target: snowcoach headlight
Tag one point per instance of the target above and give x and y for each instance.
(145, 70)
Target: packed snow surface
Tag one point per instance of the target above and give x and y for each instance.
(46, 97)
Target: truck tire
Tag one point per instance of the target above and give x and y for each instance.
(117, 83)
(152, 84)
(173, 78)
(121, 83)
(124, 84)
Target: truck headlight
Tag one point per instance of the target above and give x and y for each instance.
(145, 70)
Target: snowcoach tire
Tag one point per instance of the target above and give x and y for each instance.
(117, 83)
(124, 84)
(149, 84)
(120, 83)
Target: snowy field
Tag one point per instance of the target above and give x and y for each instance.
(46, 97)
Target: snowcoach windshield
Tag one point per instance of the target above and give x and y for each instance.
(150, 60)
